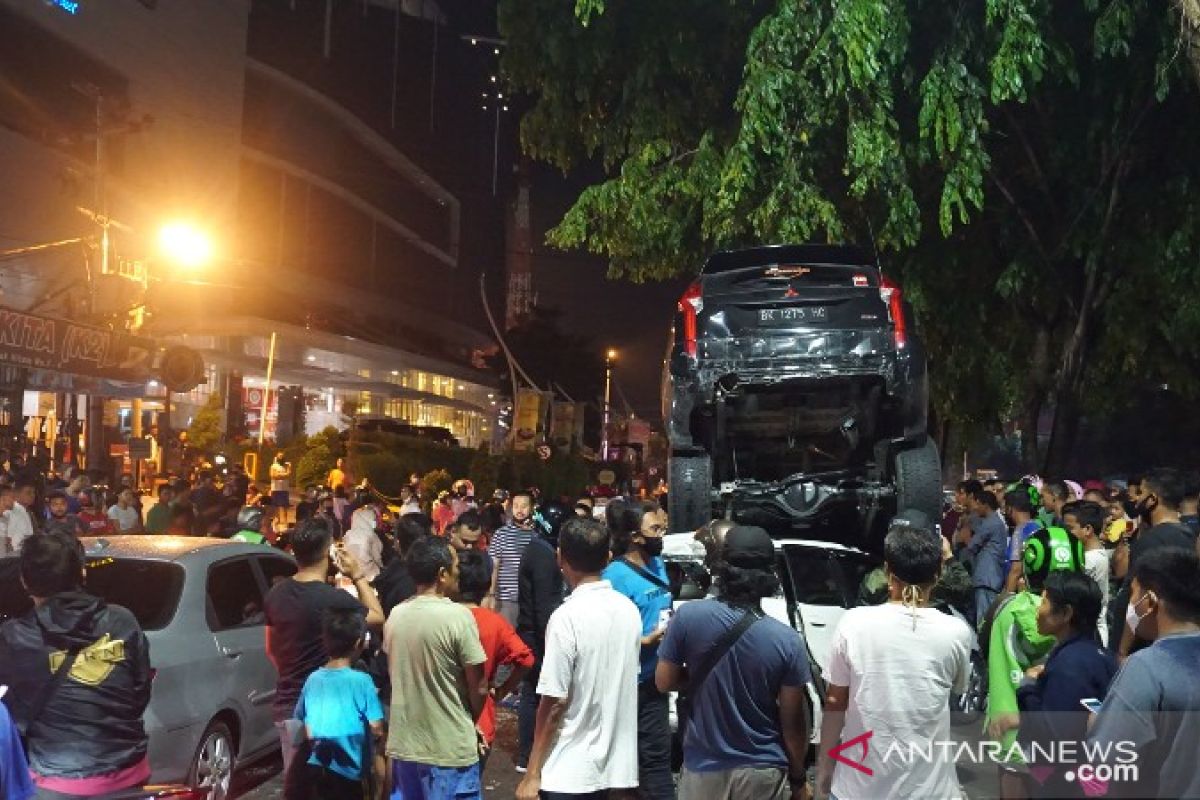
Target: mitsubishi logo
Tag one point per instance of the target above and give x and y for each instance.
(791, 292)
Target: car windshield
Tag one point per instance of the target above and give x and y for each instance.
(149, 589)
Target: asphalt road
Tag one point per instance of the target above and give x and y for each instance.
(263, 781)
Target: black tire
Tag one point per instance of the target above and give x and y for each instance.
(968, 707)
(214, 761)
(919, 480)
(689, 492)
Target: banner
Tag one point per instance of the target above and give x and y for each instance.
(563, 427)
(34, 342)
(527, 418)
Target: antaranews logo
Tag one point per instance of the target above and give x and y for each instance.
(858, 741)
(1084, 762)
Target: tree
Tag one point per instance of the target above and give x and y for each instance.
(205, 434)
(1026, 167)
(1189, 11)
(551, 355)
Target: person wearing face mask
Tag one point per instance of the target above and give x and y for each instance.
(637, 571)
(506, 548)
(1158, 509)
(1154, 702)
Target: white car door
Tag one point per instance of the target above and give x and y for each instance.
(817, 587)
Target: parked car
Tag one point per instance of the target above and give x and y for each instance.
(200, 602)
(819, 581)
(795, 396)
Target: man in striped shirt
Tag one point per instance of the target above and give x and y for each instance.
(506, 548)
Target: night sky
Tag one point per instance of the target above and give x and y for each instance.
(633, 318)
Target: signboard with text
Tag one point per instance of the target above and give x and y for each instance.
(45, 343)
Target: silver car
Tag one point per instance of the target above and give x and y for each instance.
(200, 602)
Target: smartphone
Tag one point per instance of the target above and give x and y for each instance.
(664, 617)
(1092, 704)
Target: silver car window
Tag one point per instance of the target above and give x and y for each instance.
(234, 597)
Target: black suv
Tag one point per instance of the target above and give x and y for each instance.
(795, 397)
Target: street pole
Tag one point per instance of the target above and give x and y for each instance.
(607, 401)
(496, 148)
(262, 422)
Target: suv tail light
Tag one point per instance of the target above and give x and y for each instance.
(690, 306)
(890, 293)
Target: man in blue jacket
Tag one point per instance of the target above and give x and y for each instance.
(987, 552)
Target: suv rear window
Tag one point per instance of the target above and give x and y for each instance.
(149, 589)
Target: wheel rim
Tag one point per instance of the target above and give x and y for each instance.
(214, 766)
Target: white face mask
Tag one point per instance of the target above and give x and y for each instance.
(1132, 618)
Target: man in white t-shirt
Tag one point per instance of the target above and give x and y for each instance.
(124, 514)
(6, 504)
(586, 737)
(1086, 520)
(892, 668)
(20, 523)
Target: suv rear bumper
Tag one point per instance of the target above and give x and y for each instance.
(903, 374)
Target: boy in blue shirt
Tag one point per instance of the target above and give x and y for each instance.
(341, 712)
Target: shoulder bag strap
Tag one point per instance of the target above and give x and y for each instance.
(60, 674)
(724, 645)
(645, 573)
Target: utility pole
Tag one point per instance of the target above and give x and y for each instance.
(609, 358)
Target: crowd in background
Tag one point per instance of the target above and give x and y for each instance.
(1075, 609)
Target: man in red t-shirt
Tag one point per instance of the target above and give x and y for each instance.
(94, 519)
(501, 643)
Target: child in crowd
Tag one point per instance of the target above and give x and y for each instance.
(341, 713)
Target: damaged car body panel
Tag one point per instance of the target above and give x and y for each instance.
(793, 383)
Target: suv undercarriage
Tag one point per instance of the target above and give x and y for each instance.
(795, 397)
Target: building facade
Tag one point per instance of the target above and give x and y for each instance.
(311, 140)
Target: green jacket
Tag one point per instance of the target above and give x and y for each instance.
(252, 537)
(1013, 647)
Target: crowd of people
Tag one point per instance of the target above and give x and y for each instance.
(1079, 609)
(399, 633)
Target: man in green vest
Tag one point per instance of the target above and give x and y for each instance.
(1013, 645)
(254, 525)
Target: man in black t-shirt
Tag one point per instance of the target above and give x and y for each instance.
(1158, 505)
(295, 607)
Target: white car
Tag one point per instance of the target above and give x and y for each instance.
(819, 581)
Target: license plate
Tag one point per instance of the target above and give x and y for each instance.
(777, 316)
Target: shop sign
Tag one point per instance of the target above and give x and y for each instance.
(36, 342)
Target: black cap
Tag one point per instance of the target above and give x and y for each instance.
(749, 546)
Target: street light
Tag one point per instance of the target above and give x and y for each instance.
(185, 244)
(609, 358)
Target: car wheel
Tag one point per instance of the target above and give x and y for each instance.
(968, 707)
(919, 480)
(689, 492)
(212, 766)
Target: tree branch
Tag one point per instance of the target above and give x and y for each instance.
(1036, 165)
(1034, 236)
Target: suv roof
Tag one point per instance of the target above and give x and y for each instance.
(160, 547)
(727, 260)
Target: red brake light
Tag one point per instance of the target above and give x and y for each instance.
(690, 306)
(890, 293)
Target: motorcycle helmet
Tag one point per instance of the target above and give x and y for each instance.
(250, 518)
(549, 518)
(1050, 550)
(712, 537)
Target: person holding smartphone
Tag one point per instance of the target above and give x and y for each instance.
(1077, 669)
(295, 608)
